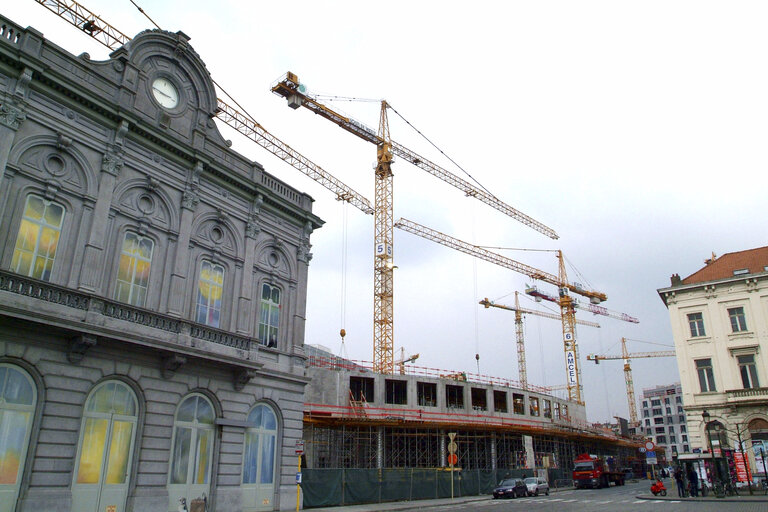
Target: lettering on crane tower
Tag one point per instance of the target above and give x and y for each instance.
(570, 366)
(383, 251)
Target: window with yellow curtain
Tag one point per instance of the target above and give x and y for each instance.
(38, 238)
(133, 270)
(109, 425)
(210, 286)
(192, 442)
(17, 405)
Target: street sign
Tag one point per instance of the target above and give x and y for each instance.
(452, 446)
(299, 447)
(453, 459)
(649, 445)
(642, 449)
(650, 458)
(298, 478)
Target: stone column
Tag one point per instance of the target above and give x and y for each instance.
(189, 202)
(244, 301)
(93, 255)
(12, 114)
(303, 257)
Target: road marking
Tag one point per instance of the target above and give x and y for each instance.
(570, 501)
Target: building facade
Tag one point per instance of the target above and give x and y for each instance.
(152, 289)
(719, 317)
(371, 437)
(663, 418)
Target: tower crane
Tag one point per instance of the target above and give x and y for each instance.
(296, 95)
(626, 356)
(567, 310)
(519, 312)
(94, 26)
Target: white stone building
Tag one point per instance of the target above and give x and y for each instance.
(719, 318)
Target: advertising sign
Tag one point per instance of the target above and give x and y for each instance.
(570, 366)
(760, 449)
(742, 469)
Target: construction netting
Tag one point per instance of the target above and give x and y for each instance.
(336, 487)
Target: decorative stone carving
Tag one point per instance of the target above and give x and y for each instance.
(252, 228)
(303, 254)
(12, 115)
(190, 199)
(51, 189)
(710, 291)
(112, 162)
(120, 133)
(242, 377)
(152, 184)
(78, 346)
(171, 363)
(63, 142)
(22, 85)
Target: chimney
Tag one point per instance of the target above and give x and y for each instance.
(675, 279)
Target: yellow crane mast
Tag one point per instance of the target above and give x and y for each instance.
(519, 334)
(290, 88)
(567, 306)
(626, 356)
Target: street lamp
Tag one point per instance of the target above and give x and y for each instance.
(715, 480)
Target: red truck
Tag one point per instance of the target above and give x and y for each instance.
(596, 472)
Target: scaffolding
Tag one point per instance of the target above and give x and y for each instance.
(337, 445)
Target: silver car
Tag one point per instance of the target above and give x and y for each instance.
(536, 486)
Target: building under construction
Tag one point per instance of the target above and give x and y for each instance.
(356, 419)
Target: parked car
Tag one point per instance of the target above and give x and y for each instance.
(510, 488)
(536, 486)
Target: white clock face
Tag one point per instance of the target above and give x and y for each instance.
(165, 93)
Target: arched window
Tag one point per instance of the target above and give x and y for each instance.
(269, 322)
(104, 456)
(260, 446)
(210, 287)
(18, 397)
(193, 436)
(38, 238)
(133, 271)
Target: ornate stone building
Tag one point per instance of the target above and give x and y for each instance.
(152, 289)
(719, 318)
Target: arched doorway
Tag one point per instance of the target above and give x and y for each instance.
(193, 437)
(18, 398)
(758, 432)
(259, 459)
(105, 450)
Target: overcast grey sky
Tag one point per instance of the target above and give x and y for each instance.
(636, 130)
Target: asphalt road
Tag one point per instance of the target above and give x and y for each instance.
(612, 499)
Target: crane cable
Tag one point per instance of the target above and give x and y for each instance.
(440, 150)
(343, 305)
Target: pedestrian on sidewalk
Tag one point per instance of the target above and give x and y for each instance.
(693, 479)
(679, 482)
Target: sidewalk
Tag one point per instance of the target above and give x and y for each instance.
(743, 497)
(427, 504)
